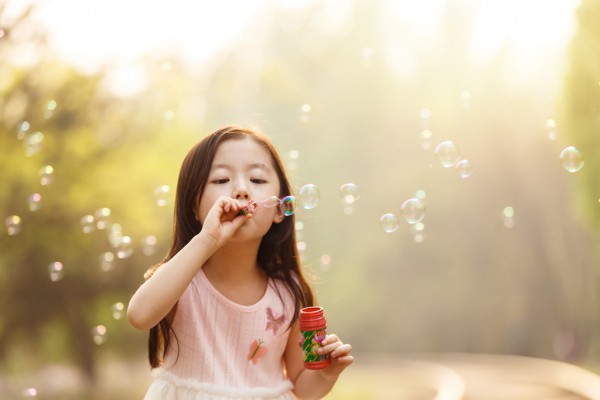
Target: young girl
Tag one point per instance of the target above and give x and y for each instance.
(223, 306)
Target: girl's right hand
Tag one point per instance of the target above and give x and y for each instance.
(223, 220)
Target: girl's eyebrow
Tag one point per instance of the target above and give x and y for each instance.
(250, 166)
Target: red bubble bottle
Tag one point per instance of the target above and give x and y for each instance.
(313, 328)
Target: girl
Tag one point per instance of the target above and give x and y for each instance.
(222, 308)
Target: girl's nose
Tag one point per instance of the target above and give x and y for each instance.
(241, 192)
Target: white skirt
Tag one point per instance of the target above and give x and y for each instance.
(167, 386)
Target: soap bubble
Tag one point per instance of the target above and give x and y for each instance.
(309, 196)
(161, 194)
(115, 235)
(571, 159)
(350, 193)
(447, 154)
(149, 245)
(23, 128)
(34, 202)
(29, 393)
(413, 210)
(88, 223)
(125, 247)
(107, 261)
(288, 204)
(46, 174)
(13, 225)
(464, 168)
(102, 216)
(50, 108)
(56, 271)
(99, 334)
(118, 310)
(270, 201)
(33, 143)
(508, 217)
(389, 222)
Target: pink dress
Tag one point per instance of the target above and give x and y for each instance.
(224, 350)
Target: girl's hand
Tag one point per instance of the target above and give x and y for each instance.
(339, 355)
(222, 220)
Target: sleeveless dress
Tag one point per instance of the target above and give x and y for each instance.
(224, 350)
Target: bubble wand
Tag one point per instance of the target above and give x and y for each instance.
(288, 205)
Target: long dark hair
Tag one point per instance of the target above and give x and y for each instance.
(277, 254)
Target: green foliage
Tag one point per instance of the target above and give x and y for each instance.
(581, 105)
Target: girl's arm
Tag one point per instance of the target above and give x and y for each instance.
(315, 384)
(155, 298)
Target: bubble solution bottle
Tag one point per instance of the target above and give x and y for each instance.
(313, 328)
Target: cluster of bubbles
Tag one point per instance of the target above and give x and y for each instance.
(449, 156)
(412, 211)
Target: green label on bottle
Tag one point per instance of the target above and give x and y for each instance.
(312, 341)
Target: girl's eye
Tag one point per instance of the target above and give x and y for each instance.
(220, 181)
(258, 181)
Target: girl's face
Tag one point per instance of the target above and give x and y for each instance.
(243, 169)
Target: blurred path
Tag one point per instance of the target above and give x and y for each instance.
(465, 377)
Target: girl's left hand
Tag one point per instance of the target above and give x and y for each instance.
(339, 355)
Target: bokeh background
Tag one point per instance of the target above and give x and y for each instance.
(100, 101)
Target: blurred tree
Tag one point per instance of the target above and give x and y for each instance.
(80, 217)
(580, 122)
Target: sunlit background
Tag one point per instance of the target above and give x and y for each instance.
(443, 155)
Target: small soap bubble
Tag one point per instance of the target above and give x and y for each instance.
(389, 222)
(413, 210)
(33, 143)
(46, 174)
(107, 261)
(299, 225)
(466, 99)
(149, 245)
(34, 201)
(50, 108)
(115, 234)
(169, 116)
(425, 113)
(13, 225)
(292, 159)
(125, 247)
(29, 393)
(426, 134)
(301, 246)
(420, 194)
(419, 227)
(325, 262)
(23, 129)
(88, 223)
(350, 193)
(102, 216)
(447, 154)
(161, 194)
(56, 271)
(464, 168)
(99, 334)
(118, 310)
(508, 214)
(309, 196)
(571, 159)
(288, 205)
(419, 237)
